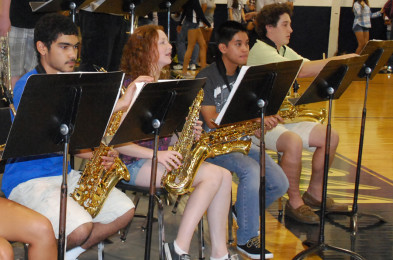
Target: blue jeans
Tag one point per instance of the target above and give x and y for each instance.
(181, 45)
(247, 203)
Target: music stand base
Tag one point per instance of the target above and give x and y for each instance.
(354, 217)
(322, 246)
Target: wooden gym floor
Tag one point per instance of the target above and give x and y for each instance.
(284, 238)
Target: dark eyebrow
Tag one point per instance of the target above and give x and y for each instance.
(68, 44)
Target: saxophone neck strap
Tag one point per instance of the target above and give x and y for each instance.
(40, 69)
(223, 71)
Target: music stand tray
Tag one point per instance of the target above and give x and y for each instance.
(379, 53)
(150, 104)
(44, 106)
(347, 69)
(269, 82)
(53, 5)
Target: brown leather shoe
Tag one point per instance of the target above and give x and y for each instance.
(303, 214)
(330, 204)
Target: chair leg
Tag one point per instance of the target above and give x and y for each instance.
(161, 229)
(26, 247)
(124, 233)
(101, 250)
(201, 240)
(174, 209)
(230, 223)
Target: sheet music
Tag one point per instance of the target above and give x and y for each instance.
(239, 79)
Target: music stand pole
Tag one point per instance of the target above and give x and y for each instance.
(156, 125)
(65, 131)
(168, 6)
(374, 61)
(132, 17)
(321, 245)
(262, 182)
(72, 11)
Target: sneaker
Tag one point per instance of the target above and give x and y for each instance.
(252, 249)
(170, 253)
(330, 204)
(178, 67)
(192, 67)
(303, 214)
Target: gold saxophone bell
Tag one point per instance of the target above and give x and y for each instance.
(295, 114)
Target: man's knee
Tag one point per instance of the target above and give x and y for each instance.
(79, 235)
(290, 144)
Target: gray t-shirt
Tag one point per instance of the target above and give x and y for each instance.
(215, 89)
(236, 12)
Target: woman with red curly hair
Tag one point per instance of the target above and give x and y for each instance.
(147, 52)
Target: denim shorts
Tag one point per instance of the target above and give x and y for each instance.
(133, 169)
(359, 28)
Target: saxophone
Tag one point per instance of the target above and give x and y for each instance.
(220, 141)
(295, 114)
(96, 182)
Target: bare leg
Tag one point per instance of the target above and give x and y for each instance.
(101, 231)
(202, 48)
(19, 223)
(360, 37)
(212, 193)
(6, 251)
(290, 144)
(317, 139)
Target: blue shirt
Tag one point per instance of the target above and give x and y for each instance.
(363, 15)
(19, 170)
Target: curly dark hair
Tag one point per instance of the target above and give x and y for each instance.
(269, 15)
(50, 27)
(140, 54)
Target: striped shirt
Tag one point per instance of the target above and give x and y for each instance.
(363, 15)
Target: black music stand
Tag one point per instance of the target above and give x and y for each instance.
(158, 111)
(378, 53)
(260, 92)
(52, 6)
(330, 84)
(55, 107)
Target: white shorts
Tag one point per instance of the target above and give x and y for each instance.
(302, 129)
(43, 196)
(23, 57)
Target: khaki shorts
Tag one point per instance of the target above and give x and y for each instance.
(303, 129)
(43, 196)
(23, 57)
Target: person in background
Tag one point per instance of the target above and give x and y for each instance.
(18, 20)
(193, 15)
(236, 11)
(362, 22)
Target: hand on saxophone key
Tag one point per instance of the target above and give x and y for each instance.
(170, 159)
(108, 161)
(197, 129)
